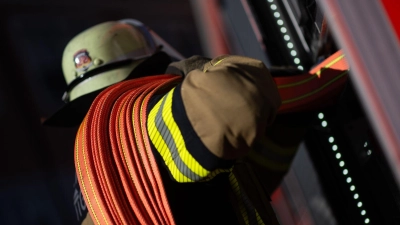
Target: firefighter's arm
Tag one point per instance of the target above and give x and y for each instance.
(213, 117)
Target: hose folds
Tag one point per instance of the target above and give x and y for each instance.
(115, 166)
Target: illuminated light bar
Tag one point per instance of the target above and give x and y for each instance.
(338, 156)
(369, 151)
(284, 31)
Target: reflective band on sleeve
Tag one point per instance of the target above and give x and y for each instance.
(248, 212)
(167, 138)
(313, 92)
(265, 162)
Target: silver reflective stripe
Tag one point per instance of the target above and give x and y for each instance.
(167, 137)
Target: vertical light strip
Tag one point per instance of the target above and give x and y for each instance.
(285, 34)
(345, 171)
(369, 152)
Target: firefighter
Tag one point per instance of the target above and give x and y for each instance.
(162, 142)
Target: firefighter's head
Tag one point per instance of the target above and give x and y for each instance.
(104, 55)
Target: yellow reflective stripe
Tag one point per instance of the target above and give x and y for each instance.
(316, 90)
(162, 147)
(236, 191)
(218, 62)
(313, 76)
(270, 164)
(167, 138)
(330, 64)
(267, 143)
(216, 172)
(184, 154)
(248, 212)
(259, 220)
(271, 155)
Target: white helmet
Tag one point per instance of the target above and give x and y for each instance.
(103, 55)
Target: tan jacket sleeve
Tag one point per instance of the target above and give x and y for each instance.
(229, 103)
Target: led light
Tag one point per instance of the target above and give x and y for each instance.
(369, 152)
(300, 68)
(363, 212)
(270, 0)
(297, 60)
(290, 45)
(320, 116)
(286, 37)
(365, 144)
(293, 52)
(283, 29)
(331, 139)
(277, 15)
(356, 196)
(345, 171)
(359, 204)
(324, 123)
(352, 188)
(338, 155)
(366, 220)
(341, 164)
(334, 147)
(280, 22)
(348, 180)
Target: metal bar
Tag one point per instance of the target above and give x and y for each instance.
(296, 26)
(372, 50)
(210, 27)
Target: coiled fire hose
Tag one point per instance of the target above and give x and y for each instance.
(116, 168)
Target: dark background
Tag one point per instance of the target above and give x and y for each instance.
(36, 162)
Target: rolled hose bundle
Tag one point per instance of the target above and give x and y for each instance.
(116, 168)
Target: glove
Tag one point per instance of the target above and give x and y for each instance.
(183, 67)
